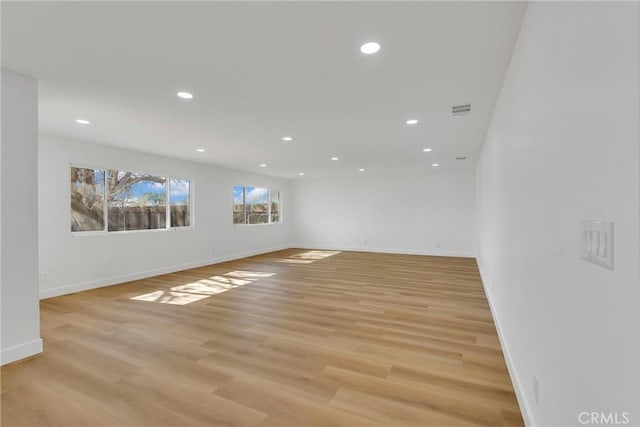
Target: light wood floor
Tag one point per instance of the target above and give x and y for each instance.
(292, 338)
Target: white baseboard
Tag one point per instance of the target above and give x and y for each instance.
(115, 280)
(384, 250)
(518, 387)
(21, 351)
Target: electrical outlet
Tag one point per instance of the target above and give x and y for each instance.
(44, 276)
(536, 388)
(437, 244)
(597, 242)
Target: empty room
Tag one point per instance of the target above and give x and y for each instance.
(349, 214)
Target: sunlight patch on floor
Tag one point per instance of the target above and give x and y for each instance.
(170, 297)
(308, 257)
(295, 261)
(203, 288)
(249, 274)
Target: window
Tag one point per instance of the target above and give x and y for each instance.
(134, 201)
(255, 205)
(179, 196)
(275, 206)
(238, 205)
(256, 201)
(87, 199)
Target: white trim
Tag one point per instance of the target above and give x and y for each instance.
(256, 225)
(20, 351)
(109, 233)
(115, 280)
(518, 387)
(384, 250)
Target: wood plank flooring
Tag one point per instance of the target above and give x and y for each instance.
(291, 338)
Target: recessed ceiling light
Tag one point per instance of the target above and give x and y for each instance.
(200, 150)
(426, 150)
(83, 121)
(335, 158)
(301, 173)
(361, 170)
(435, 165)
(370, 47)
(287, 138)
(185, 95)
(263, 165)
(412, 122)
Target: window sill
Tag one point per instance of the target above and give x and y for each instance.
(104, 233)
(257, 225)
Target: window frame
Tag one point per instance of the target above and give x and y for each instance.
(106, 231)
(244, 204)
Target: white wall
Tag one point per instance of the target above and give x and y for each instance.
(563, 147)
(421, 212)
(20, 318)
(76, 262)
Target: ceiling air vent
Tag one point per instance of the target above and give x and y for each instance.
(461, 158)
(461, 110)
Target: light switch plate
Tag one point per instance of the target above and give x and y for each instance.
(597, 242)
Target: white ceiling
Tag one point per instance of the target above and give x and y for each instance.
(260, 71)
